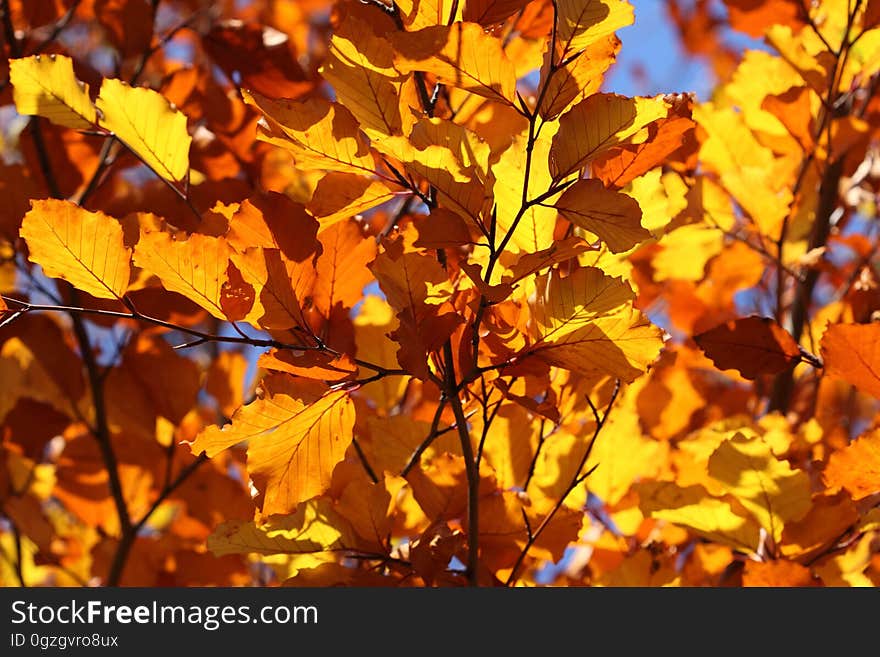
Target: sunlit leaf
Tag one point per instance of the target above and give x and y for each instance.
(84, 248)
(149, 125)
(47, 86)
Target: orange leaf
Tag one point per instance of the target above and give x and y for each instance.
(777, 573)
(84, 248)
(852, 352)
(310, 364)
(297, 431)
(226, 379)
(195, 267)
(856, 467)
(754, 16)
(793, 109)
(273, 221)
(750, 345)
(342, 267)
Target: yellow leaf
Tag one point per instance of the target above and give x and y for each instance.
(595, 125)
(613, 476)
(769, 488)
(458, 186)
(149, 125)
(694, 508)
(848, 568)
(534, 230)
(612, 216)
(510, 443)
(586, 323)
(47, 86)
(296, 431)
(748, 169)
(314, 527)
(320, 134)
(84, 248)
(417, 14)
(460, 55)
(578, 79)
(583, 22)
(360, 66)
(194, 267)
(372, 326)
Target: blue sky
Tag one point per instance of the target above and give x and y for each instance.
(652, 46)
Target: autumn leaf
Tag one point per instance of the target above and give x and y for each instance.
(340, 196)
(195, 267)
(461, 55)
(360, 66)
(313, 527)
(296, 434)
(84, 248)
(47, 86)
(596, 124)
(146, 122)
(777, 574)
(319, 133)
(769, 488)
(850, 352)
(582, 22)
(752, 345)
(693, 508)
(856, 467)
(614, 217)
(586, 323)
(754, 18)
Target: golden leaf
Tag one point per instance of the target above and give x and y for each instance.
(460, 55)
(596, 124)
(297, 432)
(195, 267)
(47, 86)
(314, 527)
(586, 323)
(583, 22)
(768, 487)
(84, 248)
(320, 134)
(149, 125)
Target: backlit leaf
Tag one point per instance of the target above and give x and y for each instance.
(614, 217)
(149, 125)
(47, 86)
(84, 248)
(852, 352)
(856, 467)
(313, 527)
(195, 267)
(296, 435)
(586, 323)
(461, 55)
(768, 487)
(582, 22)
(596, 124)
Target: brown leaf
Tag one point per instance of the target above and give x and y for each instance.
(751, 345)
